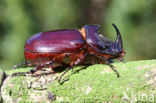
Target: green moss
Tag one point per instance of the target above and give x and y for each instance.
(96, 83)
(103, 83)
(16, 89)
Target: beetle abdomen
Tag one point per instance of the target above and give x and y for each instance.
(58, 41)
(43, 57)
(66, 58)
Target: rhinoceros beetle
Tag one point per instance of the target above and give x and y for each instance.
(46, 48)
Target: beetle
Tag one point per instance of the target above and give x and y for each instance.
(71, 47)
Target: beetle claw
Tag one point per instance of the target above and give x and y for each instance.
(112, 67)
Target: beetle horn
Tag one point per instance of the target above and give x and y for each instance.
(119, 38)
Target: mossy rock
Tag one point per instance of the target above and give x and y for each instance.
(96, 83)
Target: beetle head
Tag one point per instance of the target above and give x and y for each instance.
(116, 47)
(102, 45)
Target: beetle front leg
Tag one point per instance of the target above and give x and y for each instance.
(112, 67)
(109, 62)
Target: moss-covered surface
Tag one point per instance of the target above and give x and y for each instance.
(96, 83)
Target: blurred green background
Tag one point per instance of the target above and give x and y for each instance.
(19, 19)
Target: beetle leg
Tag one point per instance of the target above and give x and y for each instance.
(74, 64)
(33, 70)
(40, 67)
(92, 61)
(112, 67)
(100, 61)
(21, 64)
(109, 62)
